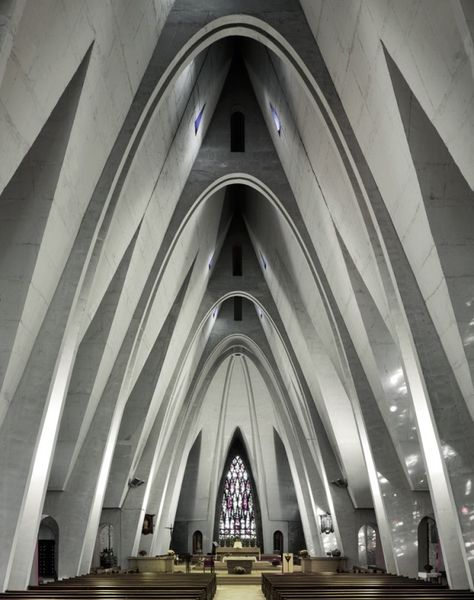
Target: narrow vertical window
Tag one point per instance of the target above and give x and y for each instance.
(198, 119)
(237, 132)
(276, 118)
(237, 308)
(237, 261)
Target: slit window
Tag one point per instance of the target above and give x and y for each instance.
(237, 261)
(237, 308)
(237, 132)
(197, 121)
(276, 118)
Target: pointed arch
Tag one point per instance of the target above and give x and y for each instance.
(238, 464)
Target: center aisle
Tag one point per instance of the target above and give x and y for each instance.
(239, 592)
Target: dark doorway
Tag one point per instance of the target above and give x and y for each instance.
(48, 549)
(277, 542)
(46, 559)
(197, 542)
(430, 557)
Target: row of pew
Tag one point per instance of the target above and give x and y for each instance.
(355, 586)
(134, 586)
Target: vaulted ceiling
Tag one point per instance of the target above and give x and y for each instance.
(129, 346)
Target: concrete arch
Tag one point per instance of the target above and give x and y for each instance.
(334, 279)
(287, 432)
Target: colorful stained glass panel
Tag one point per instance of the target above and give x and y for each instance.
(237, 518)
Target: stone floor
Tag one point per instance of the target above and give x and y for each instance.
(239, 592)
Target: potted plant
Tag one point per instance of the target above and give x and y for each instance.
(303, 553)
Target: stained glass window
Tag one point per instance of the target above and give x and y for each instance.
(237, 507)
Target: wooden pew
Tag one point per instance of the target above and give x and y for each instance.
(350, 586)
(136, 586)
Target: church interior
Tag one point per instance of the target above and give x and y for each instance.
(237, 291)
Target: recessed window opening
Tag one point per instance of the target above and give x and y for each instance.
(237, 132)
(237, 261)
(237, 308)
(197, 542)
(238, 519)
(197, 121)
(276, 118)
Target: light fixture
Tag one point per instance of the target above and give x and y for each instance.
(341, 483)
(326, 523)
(135, 482)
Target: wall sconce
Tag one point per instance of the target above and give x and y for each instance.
(135, 482)
(326, 523)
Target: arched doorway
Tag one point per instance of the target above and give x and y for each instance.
(367, 543)
(277, 542)
(197, 542)
(430, 557)
(48, 546)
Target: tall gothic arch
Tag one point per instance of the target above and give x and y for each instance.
(237, 449)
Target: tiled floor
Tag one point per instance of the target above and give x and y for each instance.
(239, 592)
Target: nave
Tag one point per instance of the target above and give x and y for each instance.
(236, 288)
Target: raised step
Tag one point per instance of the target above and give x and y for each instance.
(239, 580)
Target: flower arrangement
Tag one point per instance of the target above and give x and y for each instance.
(239, 570)
(304, 553)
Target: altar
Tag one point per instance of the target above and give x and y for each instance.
(239, 561)
(152, 564)
(323, 564)
(222, 551)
